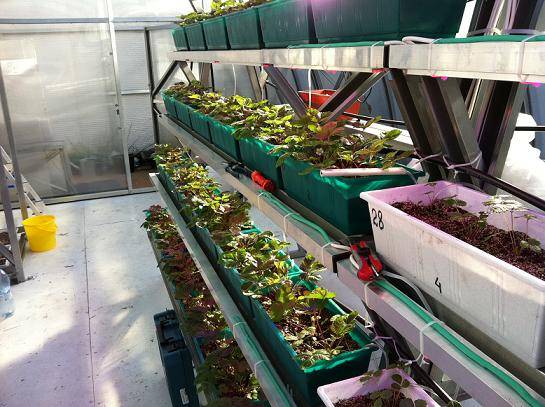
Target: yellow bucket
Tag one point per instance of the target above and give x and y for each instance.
(41, 232)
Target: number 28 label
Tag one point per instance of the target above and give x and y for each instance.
(377, 218)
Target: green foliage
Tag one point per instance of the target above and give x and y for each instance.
(328, 144)
(225, 370)
(297, 305)
(393, 395)
(219, 8)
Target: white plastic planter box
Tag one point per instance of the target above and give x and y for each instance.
(346, 389)
(501, 300)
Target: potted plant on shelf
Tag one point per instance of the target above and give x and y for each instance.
(223, 370)
(312, 145)
(392, 387)
(309, 338)
(479, 255)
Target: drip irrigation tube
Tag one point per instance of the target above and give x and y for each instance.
(464, 349)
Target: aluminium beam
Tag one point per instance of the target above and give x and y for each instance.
(409, 111)
(151, 84)
(284, 88)
(346, 95)
(446, 108)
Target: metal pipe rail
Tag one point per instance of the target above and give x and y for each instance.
(274, 389)
(351, 59)
(499, 61)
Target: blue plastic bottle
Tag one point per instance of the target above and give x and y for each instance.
(7, 307)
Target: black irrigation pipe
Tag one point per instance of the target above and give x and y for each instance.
(513, 190)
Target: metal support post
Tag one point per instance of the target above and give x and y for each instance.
(118, 108)
(254, 82)
(414, 112)
(345, 96)
(446, 107)
(16, 259)
(206, 75)
(496, 124)
(500, 102)
(151, 84)
(284, 88)
(12, 149)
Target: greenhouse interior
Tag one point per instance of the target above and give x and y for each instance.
(272, 203)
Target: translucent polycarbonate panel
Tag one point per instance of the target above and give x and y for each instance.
(137, 126)
(53, 9)
(150, 8)
(166, 136)
(161, 44)
(61, 91)
(131, 57)
(231, 79)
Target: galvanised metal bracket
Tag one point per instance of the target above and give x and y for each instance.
(286, 90)
(347, 94)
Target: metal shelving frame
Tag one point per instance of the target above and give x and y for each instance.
(461, 110)
(481, 385)
(274, 389)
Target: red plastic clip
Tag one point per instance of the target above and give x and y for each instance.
(263, 182)
(371, 266)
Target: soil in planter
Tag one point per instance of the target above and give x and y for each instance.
(465, 226)
(367, 401)
(294, 324)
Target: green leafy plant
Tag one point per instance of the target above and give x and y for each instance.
(328, 144)
(295, 304)
(394, 396)
(224, 371)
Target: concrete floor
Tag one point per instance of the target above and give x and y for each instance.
(83, 333)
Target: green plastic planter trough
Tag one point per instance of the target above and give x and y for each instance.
(244, 30)
(215, 33)
(255, 155)
(304, 382)
(286, 22)
(200, 123)
(337, 199)
(182, 113)
(170, 104)
(222, 137)
(363, 20)
(180, 40)
(195, 37)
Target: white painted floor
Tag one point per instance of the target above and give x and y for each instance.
(83, 332)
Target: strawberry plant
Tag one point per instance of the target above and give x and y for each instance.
(297, 306)
(322, 144)
(225, 371)
(514, 247)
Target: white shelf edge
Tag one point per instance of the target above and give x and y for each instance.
(500, 61)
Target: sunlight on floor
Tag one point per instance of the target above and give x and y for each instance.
(83, 332)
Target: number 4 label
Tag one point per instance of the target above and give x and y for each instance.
(377, 218)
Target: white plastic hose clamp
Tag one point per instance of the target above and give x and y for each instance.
(421, 334)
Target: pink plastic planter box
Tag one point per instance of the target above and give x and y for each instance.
(502, 301)
(346, 389)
